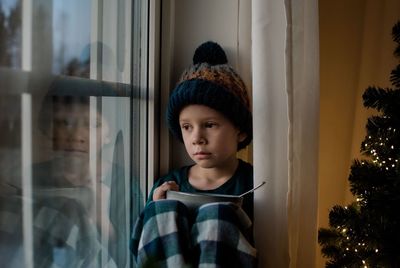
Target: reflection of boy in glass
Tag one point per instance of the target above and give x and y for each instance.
(66, 182)
(65, 224)
(69, 132)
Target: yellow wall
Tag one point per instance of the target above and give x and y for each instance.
(340, 40)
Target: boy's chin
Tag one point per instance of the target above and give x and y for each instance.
(77, 180)
(205, 164)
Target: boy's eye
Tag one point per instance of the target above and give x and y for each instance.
(185, 127)
(210, 124)
(62, 123)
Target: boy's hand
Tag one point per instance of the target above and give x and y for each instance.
(160, 191)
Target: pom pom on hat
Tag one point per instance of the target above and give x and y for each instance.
(211, 53)
(210, 81)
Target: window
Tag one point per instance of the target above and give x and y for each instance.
(73, 100)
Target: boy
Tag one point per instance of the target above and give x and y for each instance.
(209, 111)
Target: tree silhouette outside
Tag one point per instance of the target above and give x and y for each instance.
(10, 36)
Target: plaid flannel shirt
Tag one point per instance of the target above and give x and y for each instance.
(167, 235)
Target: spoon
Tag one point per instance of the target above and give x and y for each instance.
(252, 190)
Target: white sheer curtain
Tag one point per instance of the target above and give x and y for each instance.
(286, 104)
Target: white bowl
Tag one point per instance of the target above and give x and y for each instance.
(195, 200)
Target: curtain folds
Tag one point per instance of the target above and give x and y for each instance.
(286, 107)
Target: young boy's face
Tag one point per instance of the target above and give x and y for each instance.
(210, 138)
(71, 128)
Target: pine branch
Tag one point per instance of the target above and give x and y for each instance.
(396, 38)
(343, 216)
(383, 126)
(366, 177)
(395, 76)
(396, 32)
(329, 236)
(372, 96)
(383, 100)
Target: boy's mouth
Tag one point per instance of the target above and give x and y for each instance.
(202, 155)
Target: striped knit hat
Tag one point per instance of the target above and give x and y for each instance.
(210, 81)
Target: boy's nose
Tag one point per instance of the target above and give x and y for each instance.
(199, 141)
(198, 138)
(78, 135)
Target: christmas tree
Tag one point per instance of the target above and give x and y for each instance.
(366, 233)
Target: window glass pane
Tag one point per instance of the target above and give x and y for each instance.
(72, 120)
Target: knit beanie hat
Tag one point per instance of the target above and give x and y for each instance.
(210, 81)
